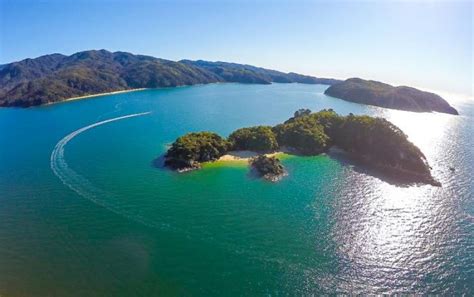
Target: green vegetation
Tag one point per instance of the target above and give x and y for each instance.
(233, 72)
(258, 139)
(56, 77)
(379, 94)
(380, 142)
(374, 141)
(305, 136)
(193, 148)
(268, 167)
(302, 112)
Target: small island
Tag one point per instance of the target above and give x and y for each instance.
(269, 168)
(375, 142)
(384, 95)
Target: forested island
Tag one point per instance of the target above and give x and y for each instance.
(375, 142)
(56, 77)
(384, 95)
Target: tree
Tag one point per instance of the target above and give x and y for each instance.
(302, 112)
(191, 149)
(305, 136)
(258, 138)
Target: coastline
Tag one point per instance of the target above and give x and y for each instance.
(245, 156)
(138, 89)
(125, 91)
(96, 95)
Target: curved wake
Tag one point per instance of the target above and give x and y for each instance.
(81, 185)
(86, 189)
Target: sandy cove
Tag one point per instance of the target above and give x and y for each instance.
(96, 95)
(247, 155)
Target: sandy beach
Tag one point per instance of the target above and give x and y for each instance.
(97, 95)
(245, 155)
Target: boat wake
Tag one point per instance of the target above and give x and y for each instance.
(84, 187)
(107, 200)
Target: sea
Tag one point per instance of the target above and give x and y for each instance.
(86, 210)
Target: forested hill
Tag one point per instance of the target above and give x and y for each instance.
(56, 77)
(384, 95)
(233, 72)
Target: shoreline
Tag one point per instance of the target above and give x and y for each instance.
(134, 90)
(142, 89)
(245, 156)
(96, 95)
(120, 92)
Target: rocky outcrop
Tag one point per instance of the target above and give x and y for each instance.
(269, 168)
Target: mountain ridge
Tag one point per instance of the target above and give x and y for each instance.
(57, 77)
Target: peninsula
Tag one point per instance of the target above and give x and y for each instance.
(384, 95)
(374, 141)
(56, 77)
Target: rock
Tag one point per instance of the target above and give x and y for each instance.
(269, 168)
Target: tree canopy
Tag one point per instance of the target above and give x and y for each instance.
(302, 112)
(373, 140)
(306, 137)
(193, 148)
(259, 139)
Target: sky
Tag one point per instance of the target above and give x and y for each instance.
(426, 44)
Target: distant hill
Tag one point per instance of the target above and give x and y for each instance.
(56, 77)
(384, 95)
(233, 72)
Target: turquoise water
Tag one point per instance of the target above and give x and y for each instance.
(90, 215)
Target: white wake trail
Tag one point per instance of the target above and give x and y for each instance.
(87, 190)
(81, 185)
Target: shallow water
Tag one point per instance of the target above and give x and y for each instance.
(94, 217)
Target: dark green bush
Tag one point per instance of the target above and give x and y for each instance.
(259, 139)
(302, 134)
(195, 147)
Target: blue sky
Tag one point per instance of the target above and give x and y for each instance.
(423, 44)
